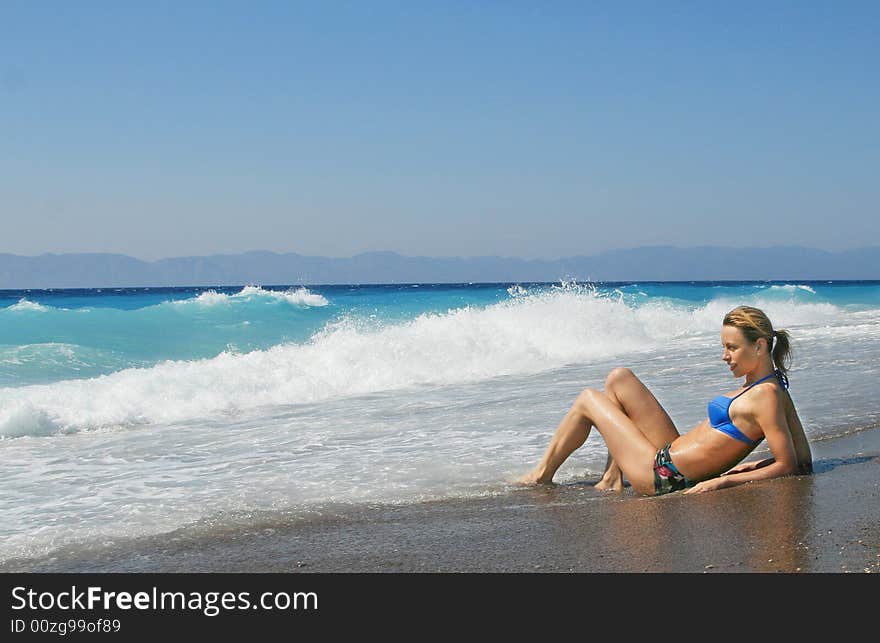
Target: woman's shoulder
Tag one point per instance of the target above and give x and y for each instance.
(766, 397)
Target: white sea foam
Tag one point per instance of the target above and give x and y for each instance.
(297, 297)
(20, 417)
(529, 333)
(24, 305)
(790, 288)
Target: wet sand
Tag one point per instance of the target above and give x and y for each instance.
(825, 522)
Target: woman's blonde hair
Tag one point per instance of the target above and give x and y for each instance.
(754, 324)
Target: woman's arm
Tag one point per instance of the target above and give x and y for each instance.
(799, 439)
(750, 466)
(771, 417)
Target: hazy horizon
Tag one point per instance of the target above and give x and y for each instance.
(417, 256)
(649, 263)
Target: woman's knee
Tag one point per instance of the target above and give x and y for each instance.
(585, 399)
(617, 375)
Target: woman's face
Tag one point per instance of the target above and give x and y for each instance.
(741, 356)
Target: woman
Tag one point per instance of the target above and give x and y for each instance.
(644, 445)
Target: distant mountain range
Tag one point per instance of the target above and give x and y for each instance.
(653, 263)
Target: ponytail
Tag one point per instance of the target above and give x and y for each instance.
(782, 350)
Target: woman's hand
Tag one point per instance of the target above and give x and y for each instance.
(709, 485)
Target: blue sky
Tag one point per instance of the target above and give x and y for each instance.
(526, 129)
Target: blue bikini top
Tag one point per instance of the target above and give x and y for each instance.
(719, 411)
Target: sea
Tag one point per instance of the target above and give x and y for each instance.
(136, 412)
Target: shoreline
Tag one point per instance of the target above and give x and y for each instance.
(825, 522)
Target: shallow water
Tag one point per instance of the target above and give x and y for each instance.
(137, 412)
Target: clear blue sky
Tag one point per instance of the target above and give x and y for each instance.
(526, 129)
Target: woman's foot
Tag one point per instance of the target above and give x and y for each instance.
(535, 476)
(610, 482)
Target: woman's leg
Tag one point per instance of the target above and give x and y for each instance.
(629, 448)
(629, 393)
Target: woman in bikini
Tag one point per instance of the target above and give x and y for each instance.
(645, 447)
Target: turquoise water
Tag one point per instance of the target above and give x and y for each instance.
(49, 336)
(126, 412)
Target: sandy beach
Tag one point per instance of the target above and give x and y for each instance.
(826, 522)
